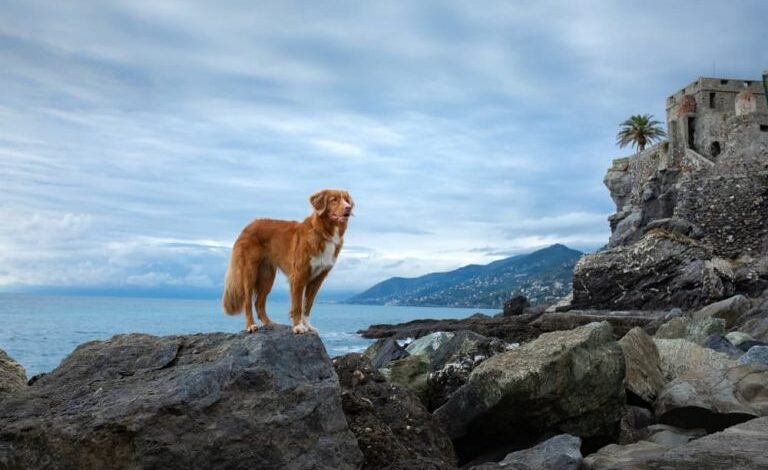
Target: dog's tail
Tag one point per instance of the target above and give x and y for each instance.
(234, 295)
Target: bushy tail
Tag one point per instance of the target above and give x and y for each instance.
(233, 297)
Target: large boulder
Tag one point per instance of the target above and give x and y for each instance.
(663, 269)
(755, 321)
(730, 310)
(269, 400)
(392, 427)
(562, 452)
(565, 381)
(12, 375)
(680, 357)
(756, 354)
(643, 378)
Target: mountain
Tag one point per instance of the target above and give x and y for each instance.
(543, 276)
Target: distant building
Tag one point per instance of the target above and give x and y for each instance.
(698, 116)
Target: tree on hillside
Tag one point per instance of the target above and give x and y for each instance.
(639, 130)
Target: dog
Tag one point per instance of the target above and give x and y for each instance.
(304, 251)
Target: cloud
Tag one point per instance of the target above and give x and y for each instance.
(140, 137)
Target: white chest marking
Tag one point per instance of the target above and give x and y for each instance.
(325, 260)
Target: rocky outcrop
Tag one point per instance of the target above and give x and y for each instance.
(12, 375)
(562, 452)
(643, 378)
(392, 427)
(661, 270)
(568, 381)
(266, 400)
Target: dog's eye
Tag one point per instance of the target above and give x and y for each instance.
(333, 199)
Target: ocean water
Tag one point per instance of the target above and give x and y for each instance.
(39, 331)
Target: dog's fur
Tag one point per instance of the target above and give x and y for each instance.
(304, 251)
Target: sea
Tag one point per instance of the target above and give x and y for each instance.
(38, 331)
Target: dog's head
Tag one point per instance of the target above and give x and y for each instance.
(336, 204)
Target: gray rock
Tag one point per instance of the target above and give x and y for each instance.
(617, 457)
(737, 337)
(565, 381)
(562, 452)
(671, 436)
(12, 375)
(673, 313)
(516, 305)
(747, 345)
(714, 400)
(384, 351)
(701, 329)
(675, 328)
(392, 427)
(738, 447)
(730, 310)
(429, 345)
(756, 354)
(643, 376)
(267, 400)
(721, 344)
(634, 423)
(680, 357)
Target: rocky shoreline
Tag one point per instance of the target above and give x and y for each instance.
(674, 390)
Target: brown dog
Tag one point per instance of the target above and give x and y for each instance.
(304, 251)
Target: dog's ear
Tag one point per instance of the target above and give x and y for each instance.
(319, 201)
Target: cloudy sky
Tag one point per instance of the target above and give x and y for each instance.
(137, 138)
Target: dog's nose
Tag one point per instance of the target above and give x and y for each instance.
(348, 210)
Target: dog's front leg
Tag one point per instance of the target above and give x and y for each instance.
(298, 285)
(309, 298)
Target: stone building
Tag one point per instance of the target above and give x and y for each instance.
(698, 115)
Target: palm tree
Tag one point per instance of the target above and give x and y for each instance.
(639, 130)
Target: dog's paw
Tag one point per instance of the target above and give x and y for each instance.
(311, 328)
(299, 329)
(252, 329)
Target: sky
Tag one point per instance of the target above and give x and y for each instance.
(137, 138)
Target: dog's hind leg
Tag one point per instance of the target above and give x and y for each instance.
(249, 283)
(266, 278)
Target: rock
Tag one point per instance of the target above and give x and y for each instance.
(643, 377)
(756, 354)
(714, 400)
(675, 328)
(562, 452)
(671, 436)
(632, 427)
(516, 305)
(755, 321)
(696, 331)
(429, 345)
(673, 313)
(730, 310)
(565, 381)
(393, 429)
(411, 373)
(747, 345)
(701, 329)
(616, 457)
(737, 337)
(384, 351)
(738, 447)
(454, 361)
(661, 270)
(721, 344)
(268, 400)
(12, 375)
(680, 357)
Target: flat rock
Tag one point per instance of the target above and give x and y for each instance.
(384, 351)
(269, 400)
(12, 374)
(566, 381)
(392, 427)
(617, 457)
